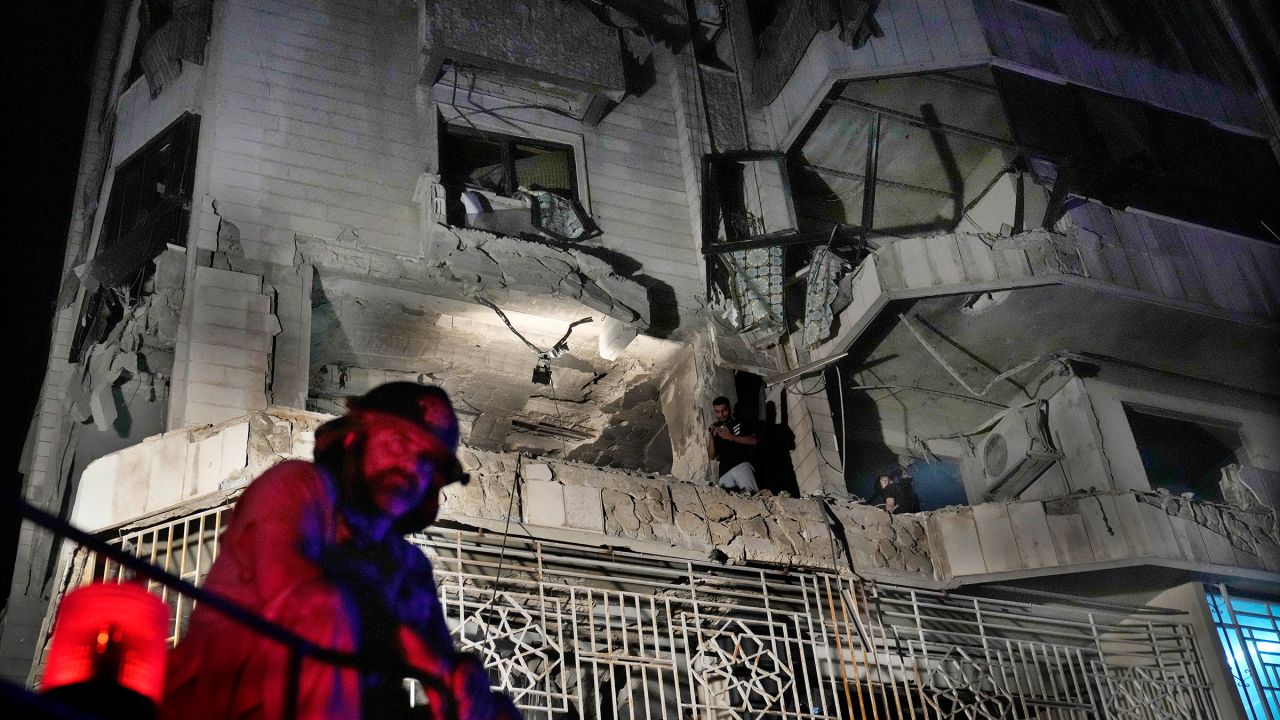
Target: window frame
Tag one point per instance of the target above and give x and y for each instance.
(184, 128)
(1239, 644)
(506, 141)
(1239, 445)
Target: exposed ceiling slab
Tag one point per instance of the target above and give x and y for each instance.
(602, 411)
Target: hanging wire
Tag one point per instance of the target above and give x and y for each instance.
(564, 449)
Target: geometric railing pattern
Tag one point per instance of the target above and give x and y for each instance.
(577, 632)
(1249, 634)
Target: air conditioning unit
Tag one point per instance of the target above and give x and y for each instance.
(1017, 451)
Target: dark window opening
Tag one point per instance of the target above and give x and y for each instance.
(936, 483)
(502, 164)
(1128, 154)
(148, 209)
(749, 388)
(1184, 455)
(771, 458)
(531, 186)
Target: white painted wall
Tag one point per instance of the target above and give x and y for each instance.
(314, 125)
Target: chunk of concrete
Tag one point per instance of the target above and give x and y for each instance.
(544, 503)
(615, 337)
(583, 508)
(540, 472)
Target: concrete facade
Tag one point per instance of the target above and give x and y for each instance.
(332, 246)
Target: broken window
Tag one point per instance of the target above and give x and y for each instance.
(512, 185)
(169, 32)
(1128, 154)
(746, 220)
(148, 209)
(1183, 454)
(503, 164)
(911, 155)
(989, 150)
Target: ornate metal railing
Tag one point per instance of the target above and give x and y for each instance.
(573, 631)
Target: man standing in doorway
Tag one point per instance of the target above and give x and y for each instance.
(732, 442)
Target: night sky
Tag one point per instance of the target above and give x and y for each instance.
(50, 48)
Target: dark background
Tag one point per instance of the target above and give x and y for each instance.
(49, 50)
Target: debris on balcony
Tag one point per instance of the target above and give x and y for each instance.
(528, 213)
(1253, 531)
(561, 218)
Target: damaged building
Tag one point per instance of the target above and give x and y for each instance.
(1021, 252)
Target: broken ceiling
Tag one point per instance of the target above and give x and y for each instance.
(597, 410)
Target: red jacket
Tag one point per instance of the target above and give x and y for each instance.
(270, 561)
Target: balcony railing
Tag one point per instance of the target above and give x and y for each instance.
(566, 628)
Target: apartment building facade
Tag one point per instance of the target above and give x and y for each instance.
(1020, 252)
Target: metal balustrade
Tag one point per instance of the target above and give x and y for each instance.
(571, 631)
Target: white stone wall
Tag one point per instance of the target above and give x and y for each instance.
(314, 127)
(224, 352)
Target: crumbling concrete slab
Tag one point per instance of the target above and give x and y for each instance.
(645, 512)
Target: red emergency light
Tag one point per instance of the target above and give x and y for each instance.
(109, 635)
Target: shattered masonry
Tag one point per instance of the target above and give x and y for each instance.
(649, 512)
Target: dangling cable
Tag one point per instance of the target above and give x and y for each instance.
(564, 448)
